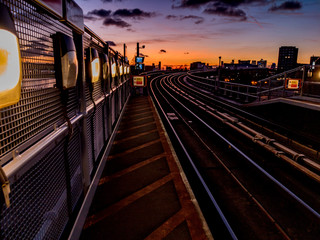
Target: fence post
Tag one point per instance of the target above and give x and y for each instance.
(231, 88)
(269, 91)
(284, 84)
(302, 80)
(247, 95)
(259, 91)
(238, 97)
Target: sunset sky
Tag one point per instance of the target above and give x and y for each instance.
(178, 32)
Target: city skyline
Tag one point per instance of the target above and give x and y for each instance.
(180, 32)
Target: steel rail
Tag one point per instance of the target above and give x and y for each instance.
(284, 188)
(257, 136)
(222, 216)
(230, 172)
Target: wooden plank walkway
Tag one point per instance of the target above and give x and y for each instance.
(141, 193)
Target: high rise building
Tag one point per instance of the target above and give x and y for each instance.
(287, 58)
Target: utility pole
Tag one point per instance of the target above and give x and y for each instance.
(124, 51)
(138, 49)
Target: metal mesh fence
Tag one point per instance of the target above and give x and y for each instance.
(40, 105)
(47, 190)
(37, 208)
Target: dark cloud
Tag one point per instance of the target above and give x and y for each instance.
(133, 13)
(225, 10)
(111, 43)
(99, 13)
(197, 19)
(200, 3)
(115, 22)
(186, 53)
(191, 3)
(163, 51)
(109, 1)
(90, 18)
(289, 5)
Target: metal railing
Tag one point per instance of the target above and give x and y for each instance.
(265, 89)
(50, 147)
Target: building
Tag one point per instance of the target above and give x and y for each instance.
(288, 57)
(262, 63)
(315, 60)
(197, 65)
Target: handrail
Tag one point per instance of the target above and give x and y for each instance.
(264, 87)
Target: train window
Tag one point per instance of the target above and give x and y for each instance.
(66, 63)
(10, 60)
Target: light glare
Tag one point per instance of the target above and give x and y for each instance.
(95, 68)
(113, 70)
(69, 65)
(9, 60)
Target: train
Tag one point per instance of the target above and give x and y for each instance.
(63, 90)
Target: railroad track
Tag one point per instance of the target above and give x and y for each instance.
(244, 189)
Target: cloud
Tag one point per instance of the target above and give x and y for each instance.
(200, 3)
(115, 22)
(225, 10)
(163, 51)
(231, 3)
(191, 3)
(197, 19)
(90, 18)
(109, 1)
(111, 43)
(99, 13)
(186, 53)
(287, 6)
(133, 13)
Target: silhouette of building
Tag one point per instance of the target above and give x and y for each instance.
(314, 60)
(262, 63)
(197, 65)
(287, 60)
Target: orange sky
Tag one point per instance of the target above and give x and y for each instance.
(177, 33)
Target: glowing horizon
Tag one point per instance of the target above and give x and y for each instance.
(181, 32)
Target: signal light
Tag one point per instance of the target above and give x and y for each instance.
(66, 63)
(93, 64)
(10, 60)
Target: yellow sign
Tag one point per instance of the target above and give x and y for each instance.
(293, 83)
(138, 81)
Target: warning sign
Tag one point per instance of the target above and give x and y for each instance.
(138, 81)
(293, 84)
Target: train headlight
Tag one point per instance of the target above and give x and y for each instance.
(93, 64)
(66, 63)
(10, 60)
